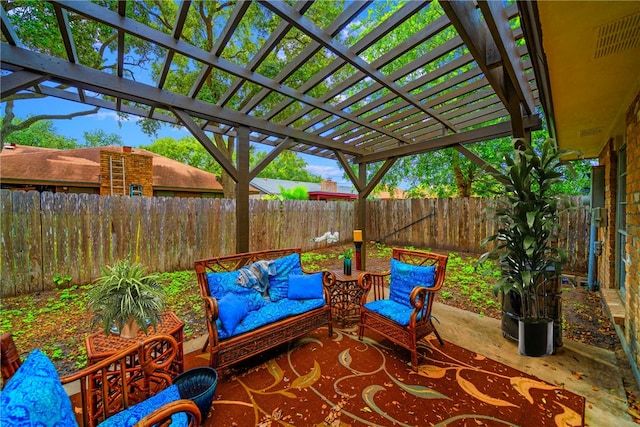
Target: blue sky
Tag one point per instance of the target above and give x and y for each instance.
(132, 135)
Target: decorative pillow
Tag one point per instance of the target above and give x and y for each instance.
(34, 396)
(305, 286)
(279, 282)
(256, 276)
(130, 416)
(404, 277)
(231, 312)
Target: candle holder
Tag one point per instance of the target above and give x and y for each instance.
(357, 241)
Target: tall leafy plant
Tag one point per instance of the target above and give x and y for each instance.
(525, 243)
(123, 292)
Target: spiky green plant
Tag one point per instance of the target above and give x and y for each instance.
(525, 243)
(125, 291)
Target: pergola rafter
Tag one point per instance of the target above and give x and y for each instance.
(460, 78)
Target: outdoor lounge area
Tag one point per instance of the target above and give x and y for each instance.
(385, 90)
(280, 385)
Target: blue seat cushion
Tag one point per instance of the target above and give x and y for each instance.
(404, 277)
(305, 286)
(279, 282)
(272, 312)
(35, 397)
(135, 413)
(399, 313)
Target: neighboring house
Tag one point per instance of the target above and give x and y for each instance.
(325, 190)
(103, 170)
(386, 195)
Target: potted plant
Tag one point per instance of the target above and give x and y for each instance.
(346, 260)
(125, 296)
(525, 240)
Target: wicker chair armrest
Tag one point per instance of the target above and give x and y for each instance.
(143, 346)
(418, 296)
(162, 415)
(211, 308)
(328, 280)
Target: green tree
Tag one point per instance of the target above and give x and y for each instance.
(40, 134)
(99, 138)
(185, 150)
(296, 193)
(448, 173)
(38, 31)
(288, 165)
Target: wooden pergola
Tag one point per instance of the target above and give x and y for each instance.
(477, 84)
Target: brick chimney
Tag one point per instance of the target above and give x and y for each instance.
(120, 169)
(329, 185)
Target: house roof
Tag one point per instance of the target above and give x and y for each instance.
(272, 186)
(81, 167)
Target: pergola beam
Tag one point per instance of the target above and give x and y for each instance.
(498, 23)
(476, 35)
(308, 27)
(199, 134)
(19, 80)
(99, 82)
(485, 133)
(285, 144)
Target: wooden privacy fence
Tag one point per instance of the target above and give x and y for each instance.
(74, 235)
(460, 224)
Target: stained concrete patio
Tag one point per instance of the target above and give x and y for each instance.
(589, 371)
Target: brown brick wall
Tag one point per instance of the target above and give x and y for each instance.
(632, 300)
(138, 169)
(606, 267)
(607, 235)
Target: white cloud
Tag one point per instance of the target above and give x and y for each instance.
(106, 115)
(326, 172)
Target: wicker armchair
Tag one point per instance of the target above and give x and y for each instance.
(401, 312)
(114, 384)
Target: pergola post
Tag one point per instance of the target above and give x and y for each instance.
(362, 213)
(242, 190)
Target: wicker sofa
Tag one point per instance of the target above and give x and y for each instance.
(258, 300)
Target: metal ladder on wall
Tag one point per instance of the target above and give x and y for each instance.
(117, 176)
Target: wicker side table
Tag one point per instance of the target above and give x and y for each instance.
(100, 346)
(346, 296)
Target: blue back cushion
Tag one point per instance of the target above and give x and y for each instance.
(220, 284)
(404, 277)
(279, 282)
(305, 286)
(35, 397)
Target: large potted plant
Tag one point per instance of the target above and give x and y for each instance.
(126, 299)
(525, 243)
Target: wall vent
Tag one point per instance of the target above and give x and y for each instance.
(591, 131)
(617, 36)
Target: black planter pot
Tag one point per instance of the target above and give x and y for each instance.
(535, 337)
(550, 300)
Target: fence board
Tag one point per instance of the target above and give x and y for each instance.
(7, 260)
